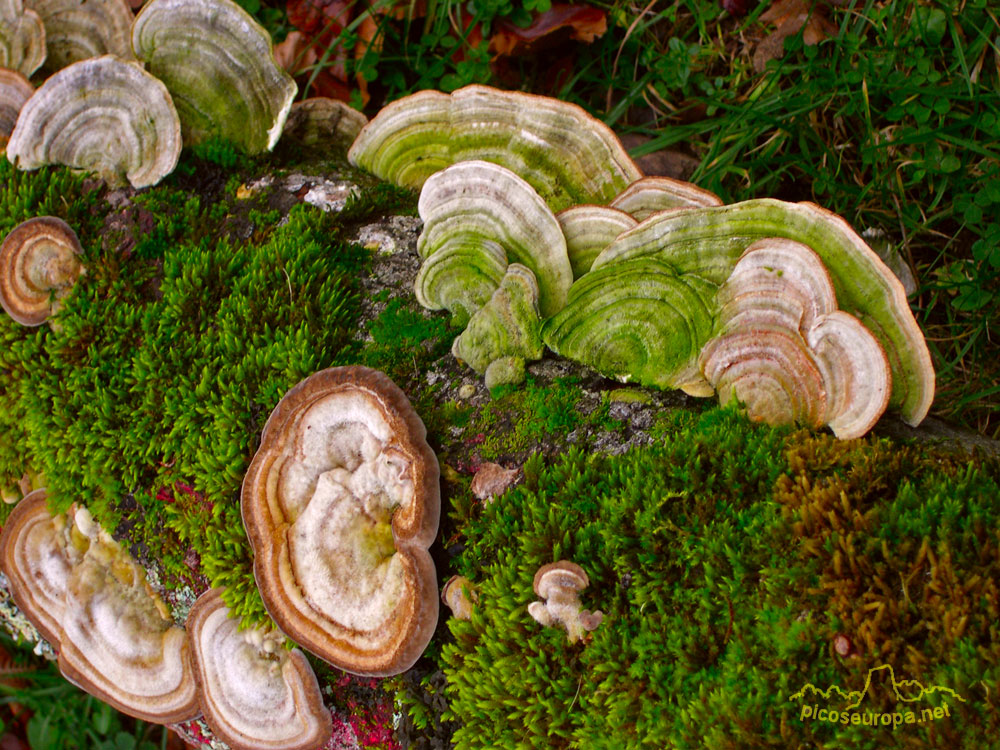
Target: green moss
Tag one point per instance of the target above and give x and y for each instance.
(405, 340)
(147, 403)
(712, 555)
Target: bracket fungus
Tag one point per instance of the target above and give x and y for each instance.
(588, 230)
(37, 557)
(340, 503)
(104, 115)
(22, 38)
(78, 30)
(560, 584)
(91, 600)
(15, 90)
(504, 333)
(565, 154)
(321, 119)
(709, 241)
(637, 321)
(473, 210)
(218, 64)
(787, 352)
(647, 196)
(39, 264)
(254, 694)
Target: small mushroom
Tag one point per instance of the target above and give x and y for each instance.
(218, 64)
(459, 595)
(104, 115)
(254, 694)
(78, 30)
(39, 264)
(560, 584)
(22, 38)
(340, 503)
(322, 120)
(566, 155)
(15, 90)
(647, 196)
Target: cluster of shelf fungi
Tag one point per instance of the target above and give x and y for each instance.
(539, 231)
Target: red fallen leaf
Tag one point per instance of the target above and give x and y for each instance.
(791, 16)
(299, 52)
(585, 23)
(314, 16)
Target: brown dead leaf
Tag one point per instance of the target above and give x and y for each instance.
(583, 22)
(300, 52)
(789, 17)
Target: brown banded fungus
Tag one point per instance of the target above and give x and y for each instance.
(560, 584)
(37, 556)
(340, 503)
(473, 212)
(254, 694)
(104, 115)
(15, 90)
(709, 241)
(90, 599)
(647, 196)
(39, 264)
(218, 64)
(78, 30)
(561, 151)
(787, 352)
(22, 38)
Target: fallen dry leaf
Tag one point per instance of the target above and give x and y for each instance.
(584, 23)
(789, 17)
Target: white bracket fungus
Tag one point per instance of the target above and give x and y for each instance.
(104, 115)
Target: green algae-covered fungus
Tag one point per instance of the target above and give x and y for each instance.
(477, 210)
(565, 154)
(505, 332)
(639, 321)
(645, 197)
(78, 30)
(708, 242)
(218, 65)
(588, 230)
(22, 38)
(103, 115)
